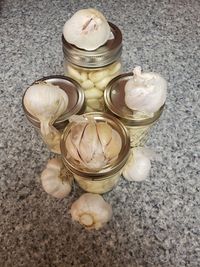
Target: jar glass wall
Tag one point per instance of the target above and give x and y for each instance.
(107, 177)
(137, 123)
(93, 81)
(93, 70)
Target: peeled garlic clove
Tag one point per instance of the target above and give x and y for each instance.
(98, 75)
(94, 104)
(104, 132)
(84, 76)
(87, 29)
(114, 146)
(93, 93)
(145, 92)
(55, 179)
(91, 210)
(114, 68)
(74, 73)
(87, 84)
(89, 109)
(102, 84)
(138, 166)
(88, 142)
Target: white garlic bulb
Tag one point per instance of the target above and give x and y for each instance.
(138, 165)
(87, 29)
(91, 210)
(56, 180)
(93, 144)
(47, 102)
(145, 92)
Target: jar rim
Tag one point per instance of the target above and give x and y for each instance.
(56, 80)
(107, 170)
(127, 119)
(101, 57)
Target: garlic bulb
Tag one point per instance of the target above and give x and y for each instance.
(87, 29)
(56, 180)
(145, 92)
(138, 165)
(47, 102)
(93, 144)
(91, 210)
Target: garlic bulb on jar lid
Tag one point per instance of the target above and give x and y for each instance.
(47, 102)
(56, 180)
(87, 29)
(93, 144)
(145, 92)
(91, 210)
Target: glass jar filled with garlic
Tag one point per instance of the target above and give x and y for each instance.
(92, 49)
(95, 147)
(48, 103)
(137, 99)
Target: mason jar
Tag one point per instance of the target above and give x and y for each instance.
(94, 69)
(75, 104)
(105, 179)
(138, 124)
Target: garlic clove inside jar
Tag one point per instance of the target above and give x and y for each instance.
(97, 163)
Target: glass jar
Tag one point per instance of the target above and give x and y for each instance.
(105, 179)
(137, 123)
(75, 105)
(94, 69)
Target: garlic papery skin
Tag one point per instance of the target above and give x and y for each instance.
(91, 210)
(87, 29)
(145, 92)
(56, 180)
(93, 144)
(47, 102)
(138, 165)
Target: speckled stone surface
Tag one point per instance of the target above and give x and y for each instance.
(156, 222)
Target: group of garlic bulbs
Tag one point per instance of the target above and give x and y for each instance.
(87, 29)
(145, 92)
(93, 144)
(90, 210)
(47, 102)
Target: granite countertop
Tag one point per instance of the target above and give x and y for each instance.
(156, 222)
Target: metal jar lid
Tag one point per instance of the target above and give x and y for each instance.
(110, 169)
(114, 96)
(74, 92)
(102, 56)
